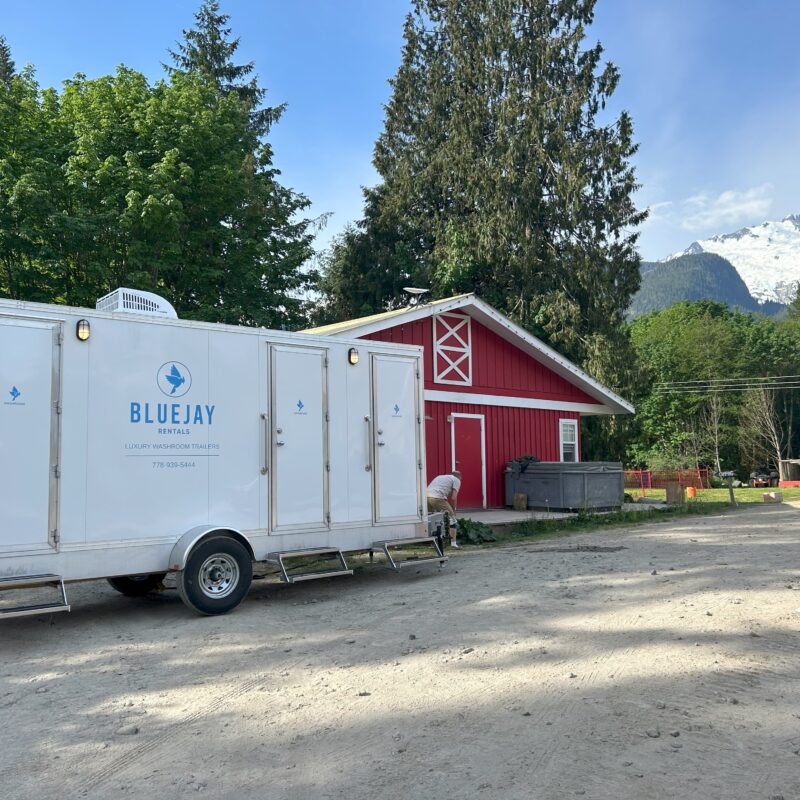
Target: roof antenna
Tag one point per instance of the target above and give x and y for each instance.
(416, 298)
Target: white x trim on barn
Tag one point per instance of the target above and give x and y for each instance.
(452, 349)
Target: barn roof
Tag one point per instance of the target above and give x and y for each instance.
(497, 323)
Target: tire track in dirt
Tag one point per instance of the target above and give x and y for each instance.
(162, 739)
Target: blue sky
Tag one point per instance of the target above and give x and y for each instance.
(713, 87)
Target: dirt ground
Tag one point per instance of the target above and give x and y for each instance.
(662, 664)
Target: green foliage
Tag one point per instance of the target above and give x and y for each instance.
(698, 276)
(500, 174)
(703, 341)
(473, 532)
(167, 187)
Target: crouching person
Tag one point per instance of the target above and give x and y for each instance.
(443, 496)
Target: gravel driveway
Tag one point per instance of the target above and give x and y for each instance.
(659, 661)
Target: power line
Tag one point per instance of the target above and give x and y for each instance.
(713, 387)
(769, 378)
(720, 389)
(719, 385)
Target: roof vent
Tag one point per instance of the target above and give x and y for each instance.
(135, 301)
(416, 295)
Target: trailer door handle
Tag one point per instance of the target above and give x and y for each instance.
(368, 467)
(279, 444)
(265, 466)
(380, 443)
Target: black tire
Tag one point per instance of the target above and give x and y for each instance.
(217, 576)
(136, 585)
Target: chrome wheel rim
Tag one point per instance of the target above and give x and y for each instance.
(219, 575)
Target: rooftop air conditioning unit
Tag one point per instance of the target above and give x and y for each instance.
(135, 301)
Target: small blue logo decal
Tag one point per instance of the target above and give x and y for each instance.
(396, 409)
(15, 393)
(300, 405)
(174, 379)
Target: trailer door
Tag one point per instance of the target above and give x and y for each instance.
(29, 396)
(396, 435)
(299, 482)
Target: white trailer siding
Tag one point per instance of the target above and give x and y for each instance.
(168, 425)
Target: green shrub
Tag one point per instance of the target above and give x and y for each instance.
(473, 532)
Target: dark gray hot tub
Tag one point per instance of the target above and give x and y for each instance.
(566, 486)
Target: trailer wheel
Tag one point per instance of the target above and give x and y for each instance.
(216, 577)
(136, 585)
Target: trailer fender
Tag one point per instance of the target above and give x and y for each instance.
(185, 545)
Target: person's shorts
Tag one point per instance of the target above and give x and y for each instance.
(440, 504)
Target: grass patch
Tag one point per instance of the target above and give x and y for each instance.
(543, 529)
(745, 495)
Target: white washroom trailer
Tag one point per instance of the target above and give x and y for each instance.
(133, 444)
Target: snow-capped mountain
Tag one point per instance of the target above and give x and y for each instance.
(766, 256)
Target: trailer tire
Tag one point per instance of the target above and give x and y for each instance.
(217, 576)
(136, 585)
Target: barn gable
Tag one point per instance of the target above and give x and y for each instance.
(479, 354)
(492, 364)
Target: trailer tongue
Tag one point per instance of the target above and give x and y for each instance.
(136, 444)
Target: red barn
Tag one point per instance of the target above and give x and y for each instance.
(493, 392)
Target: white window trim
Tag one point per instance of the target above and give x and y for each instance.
(453, 355)
(573, 423)
(452, 420)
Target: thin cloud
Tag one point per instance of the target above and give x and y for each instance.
(659, 210)
(729, 208)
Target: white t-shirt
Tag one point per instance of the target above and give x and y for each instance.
(443, 486)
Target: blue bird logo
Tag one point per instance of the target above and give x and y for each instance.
(175, 379)
(396, 409)
(15, 393)
(300, 405)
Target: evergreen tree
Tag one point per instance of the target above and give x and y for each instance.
(208, 50)
(6, 63)
(497, 156)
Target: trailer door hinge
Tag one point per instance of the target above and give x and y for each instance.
(58, 408)
(328, 517)
(56, 471)
(327, 466)
(60, 338)
(55, 536)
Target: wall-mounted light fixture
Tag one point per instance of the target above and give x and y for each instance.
(352, 356)
(83, 329)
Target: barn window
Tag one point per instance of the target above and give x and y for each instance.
(452, 349)
(569, 439)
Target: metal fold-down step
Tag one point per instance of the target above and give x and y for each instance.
(402, 545)
(20, 582)
(309, 555)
